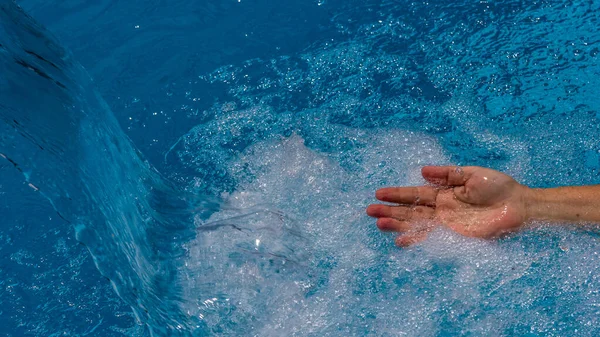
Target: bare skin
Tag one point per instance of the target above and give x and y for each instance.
(477, 202)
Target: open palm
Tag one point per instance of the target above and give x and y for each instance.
(472, 201)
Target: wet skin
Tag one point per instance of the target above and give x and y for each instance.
(473, 201)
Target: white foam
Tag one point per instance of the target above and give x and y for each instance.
(296, 208)
(294, 254)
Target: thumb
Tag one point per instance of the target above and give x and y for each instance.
(462, 194)
(447, 175)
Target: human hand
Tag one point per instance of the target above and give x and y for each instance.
(472, 201)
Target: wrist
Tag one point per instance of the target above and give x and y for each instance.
(533, 201)
(571, 204)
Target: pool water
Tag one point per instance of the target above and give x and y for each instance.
(193, 168)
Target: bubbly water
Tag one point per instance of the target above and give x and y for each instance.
(273, 131)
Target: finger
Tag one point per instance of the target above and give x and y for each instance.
(447, 175)
(417, 195)
(410, 239)
(400, 212)
(392, 225)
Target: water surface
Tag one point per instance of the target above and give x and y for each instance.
(271, 125)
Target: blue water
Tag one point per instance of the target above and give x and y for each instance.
(195, 168)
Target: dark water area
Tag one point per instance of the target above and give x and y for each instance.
(61, 136)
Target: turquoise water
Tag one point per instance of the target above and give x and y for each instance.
(217, 164)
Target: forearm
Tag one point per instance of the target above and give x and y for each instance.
(566, 204)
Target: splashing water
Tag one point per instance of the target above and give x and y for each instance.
(70, 149)
(294, 147)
